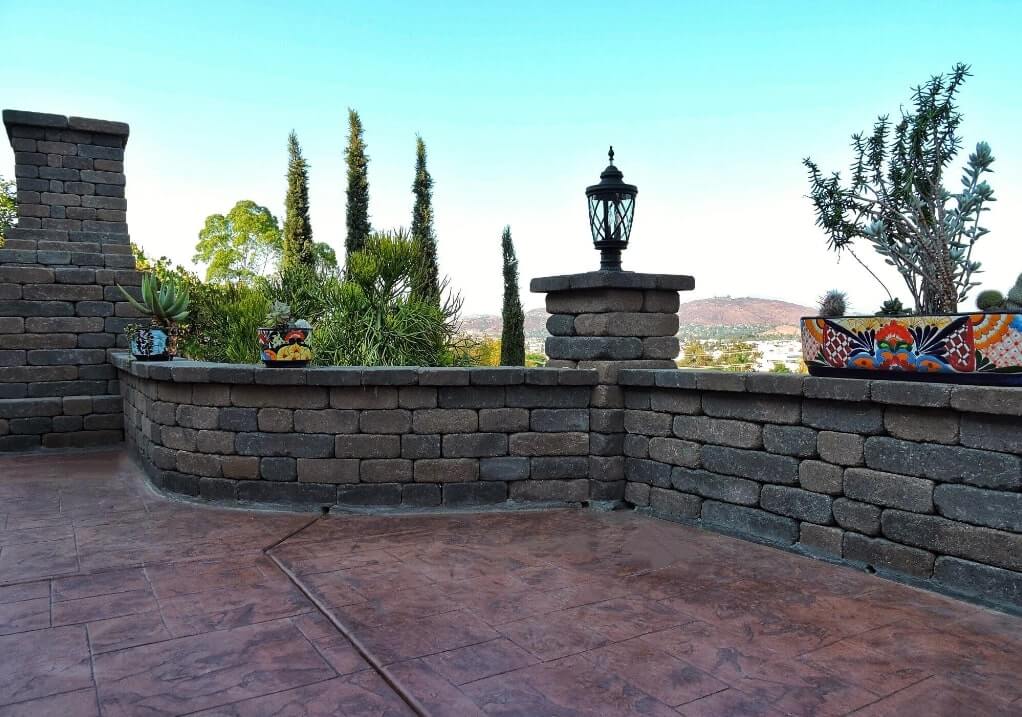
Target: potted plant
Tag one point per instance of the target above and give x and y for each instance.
(166, 304)
(896, 202)
(283, 342)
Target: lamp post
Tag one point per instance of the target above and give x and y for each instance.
(611, 208)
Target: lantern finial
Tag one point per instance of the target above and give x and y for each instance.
(611, 154)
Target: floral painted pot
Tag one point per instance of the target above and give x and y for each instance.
(285, 347)
(981, 348)
(149, 345)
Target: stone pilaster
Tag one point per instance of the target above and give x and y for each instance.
(60, 311)
(608, 321)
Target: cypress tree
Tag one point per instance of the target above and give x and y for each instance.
(512, 337)
(422, 226)
(298, 246)
(358, 186)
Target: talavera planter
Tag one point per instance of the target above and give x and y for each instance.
(951, 348)
(285, 347)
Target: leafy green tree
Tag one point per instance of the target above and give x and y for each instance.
(512, 336)
(241, 245)
(896, 200)
(358, 187)
(8, 207)
(422, 225)
(298, 248)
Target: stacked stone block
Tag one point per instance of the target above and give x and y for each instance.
(362, 437)
(922, 482)
(607, 321)
(60, 311)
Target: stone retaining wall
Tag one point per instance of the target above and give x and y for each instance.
(60, 311)
(364, 437)
(921, 481)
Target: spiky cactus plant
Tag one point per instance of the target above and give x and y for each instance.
(833, 304)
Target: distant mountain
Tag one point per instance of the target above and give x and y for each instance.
(742, 311)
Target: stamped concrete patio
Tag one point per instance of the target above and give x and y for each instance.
(117, 601)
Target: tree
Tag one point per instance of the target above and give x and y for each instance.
(358, 187)
(241, 245)
(512, 336)
(898, 203)
(8, 207)
(298, 248)
(422, 224)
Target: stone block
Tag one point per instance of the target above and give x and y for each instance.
(584, 348)
(637, 494)
(559, 419)
(30, 407)
(180, 483)
(550, 491)
(502, 420)
(468, 494)
(889, 490)
(305, 397)
(559, 467)
(637, 399)
(921, 424)
(103, 421)
(885, 556)
(607, 397)
(835, 389)
(649, 472)
(844, 449)
(331, 420)
(328, 470)
(995, 585)
(205, 417)
(368, 494)
(820, 540)
(198, 464)
(674, 451)
(499, 376)
(548, 397)
(237, 419)
(949, 464)
(987, 399)
(634, 446)
(648, 423)
(505, 468)
(641, 324)
(725, 432)
(561, 325)
(821, 477)
(911, 393)
(367, 446)
(719, 381)
(601, 491)
(718, 487)
(240, 467)
(673, 505)
(386, 421)
(605, 420)
(845, 417)
(660, 347)
(949, 537)
(474, 445)
(389, 470)
(30, 426)
(446, 470)
(367, 397)
(420, 495)
(218, 489)
(216, 442)
(755, 465)
(259, 491)
(750, 521)
(675, 401)
(412, 397)
(797, 503)
(593, 301)
(471, 397)
(606, 468)
(991, 508)
(657, 301)
(788, 441)
(278, 469)
(752, 407)
(420, 446)
(211, 395)
(445, 420)
(994, 433)
(549, 444)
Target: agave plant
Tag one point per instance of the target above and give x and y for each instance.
(165, 302)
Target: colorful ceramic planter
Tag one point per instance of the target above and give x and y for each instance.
(149, 345)
(285, 347)
(951, 348)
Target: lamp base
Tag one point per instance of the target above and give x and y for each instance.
(610, 260)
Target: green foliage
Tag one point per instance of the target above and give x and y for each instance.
(733, 356)
(535, 360)
(422, 226)
(224, 322)
(897, 201)
(833, 304)
(992, 300)
(1014, 298)
(375, 320)
(8, 207)
(241, 245)
(512, 338)
(164, 301)
(358, 187)
(892, 307)
(779, 367)
(298, 247)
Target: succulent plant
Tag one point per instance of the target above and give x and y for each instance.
(992, 300)
(279, 316)
(892, 307)
(1014, 298)
(833, 304)
(166, 302)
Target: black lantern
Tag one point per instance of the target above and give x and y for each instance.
(611, 208)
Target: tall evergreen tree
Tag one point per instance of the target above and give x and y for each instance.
(512, 337)
(422, 226)
(358, 186)
(298, 245)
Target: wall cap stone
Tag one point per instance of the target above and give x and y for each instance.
(612, 280)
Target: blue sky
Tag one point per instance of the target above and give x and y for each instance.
(710, 106)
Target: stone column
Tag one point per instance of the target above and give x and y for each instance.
(60, 312)
(610, 320)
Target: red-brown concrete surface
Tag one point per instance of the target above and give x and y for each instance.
(117, 601)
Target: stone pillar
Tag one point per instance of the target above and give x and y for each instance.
(60, 312)
(610, 320)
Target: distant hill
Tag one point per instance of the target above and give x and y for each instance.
(743, 316)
